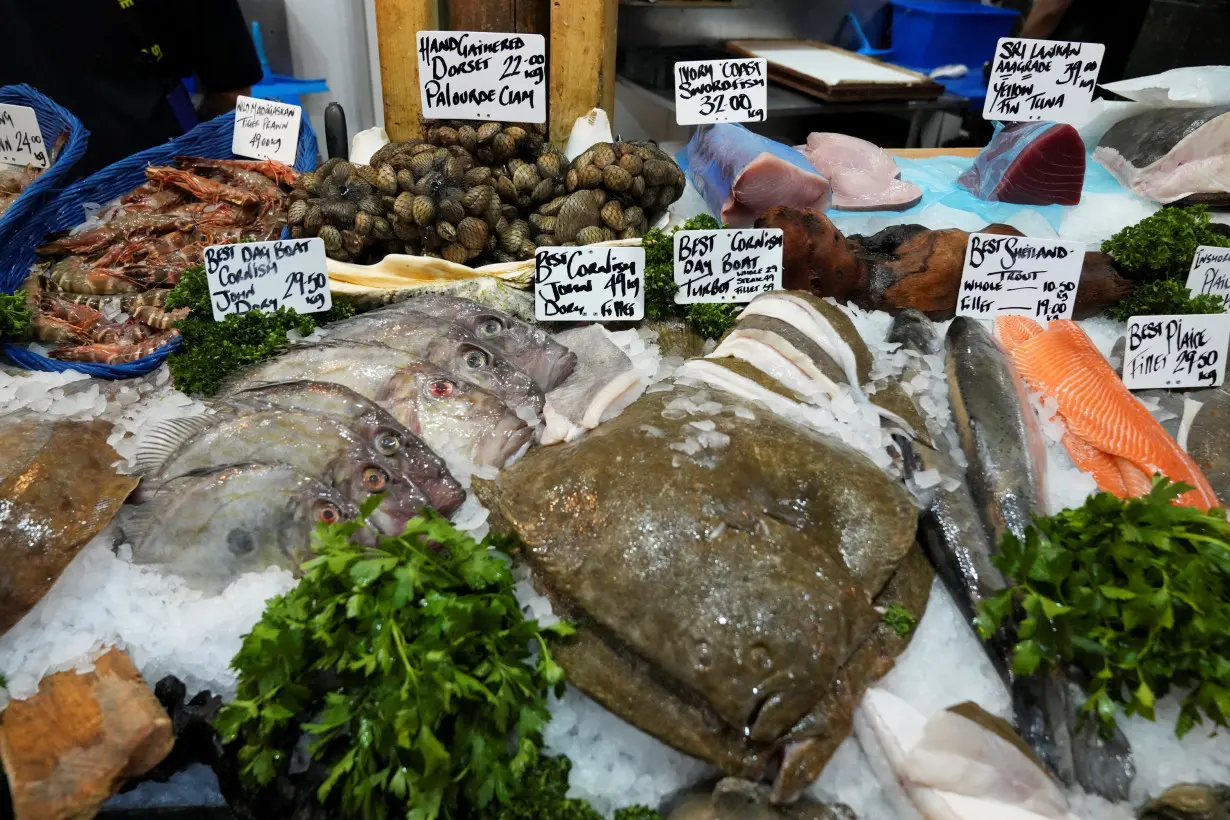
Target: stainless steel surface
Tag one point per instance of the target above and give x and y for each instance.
(643, 26)
(271, 14)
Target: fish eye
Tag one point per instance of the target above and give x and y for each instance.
(491, 327)
(476, 359)
(327, 512)
(441, 388)
(375, 479)
(388, 443)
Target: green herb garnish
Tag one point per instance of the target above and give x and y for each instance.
(409, 667)
(15, 315)
(710, 320)
(1165, 297)
(1163, 245)
(899, 619)
(541, 795)
(213, 350)
(4, 682)
(1134, 593)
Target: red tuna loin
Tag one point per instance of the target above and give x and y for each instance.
(1030, 163)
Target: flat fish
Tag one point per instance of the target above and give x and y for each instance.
(1171, 154)
(530, 348)
(741, 174)
(446, 344)
(602, 385)
(1201, 426)
(1099, 411)
(864, 176)
(210, 527)
(385, 434)
(1030, 163)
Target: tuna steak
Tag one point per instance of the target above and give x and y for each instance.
(1030, 163)
(1171, 154)
(741, 175)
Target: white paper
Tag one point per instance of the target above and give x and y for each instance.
(475, 75)
(589, 284)
(1210, 273)
(721, 91)
(291, 273)
(1176, 351)
(21, 141)
(1019, 276)
(265, 129)
(727, 265)
(1042, 80)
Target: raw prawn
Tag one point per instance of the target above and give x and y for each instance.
(267, 167)
(158, 318)
(119, 228)
(203, 188)
(72, 274)
(116, 353)
(53, 330)
(151, 196)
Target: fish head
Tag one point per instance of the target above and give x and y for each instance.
(452, 414)
(532, 349)
(315, 503)
(360, 473)
(480, 365)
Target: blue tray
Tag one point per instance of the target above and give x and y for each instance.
(209, 139)
(53, 119)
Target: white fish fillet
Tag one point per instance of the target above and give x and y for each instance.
(764, 351)
(604, 383)
(863, 176)
(889, 729)
(714, 375)
(1199, 163)
(807, 320)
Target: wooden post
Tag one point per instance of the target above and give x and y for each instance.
(582, 61)
(397, 25)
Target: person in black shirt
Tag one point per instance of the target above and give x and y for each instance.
(1114, 23)
(118, 65)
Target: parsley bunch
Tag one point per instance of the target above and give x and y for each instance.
(407, 665)
(1163, 245)
(1165, 297)
(15, 315)
(213, 350)
(542, 795)
(1134, 593)
(710, 320)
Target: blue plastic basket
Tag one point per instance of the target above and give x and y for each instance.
(53, 119)
(931, 33)
(209, 139)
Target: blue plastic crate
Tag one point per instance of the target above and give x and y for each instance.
(932, 33)
(53, 120)
(209, 139)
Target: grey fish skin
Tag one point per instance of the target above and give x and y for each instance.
(454, 416)
(364, 368)
(530, 348)
(447, 345)
(998, 430)
(1208, 435)
(383, 433)
(913, 329)
(212, 526)
(319, 446)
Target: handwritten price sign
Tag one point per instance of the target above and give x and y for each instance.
(1176, 351)
(474, 75)
(589, 284)
(727, 265)
(21, 141)
(1210, 273)
(1042, 80)
(1019, 276)
(265, 129)
(289, 273)
(721, 91)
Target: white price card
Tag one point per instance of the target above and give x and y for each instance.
(475, 75)
(1176, 351)
(727, 265)
(21, 141)
(265, 129)
(291, 273)
(721, 91)
(1211, 273)
(1019, 276)
(589, 284)
(1042, 80)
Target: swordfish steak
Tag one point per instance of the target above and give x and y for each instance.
(1030, 163)
(741, 175)
(1172, 154)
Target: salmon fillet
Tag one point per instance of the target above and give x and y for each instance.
(1062, 362)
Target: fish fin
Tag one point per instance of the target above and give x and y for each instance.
(139, 518)
(160, 445)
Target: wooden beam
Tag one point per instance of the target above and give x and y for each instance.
(582, 61)
(398, 23)
(480, 15)
(533, 17)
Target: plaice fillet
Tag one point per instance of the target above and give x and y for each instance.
(603, 383)
(1062, 362)
(1171, 154)
(864, 177)
(741, 174)
(1030, 163)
